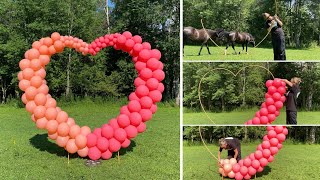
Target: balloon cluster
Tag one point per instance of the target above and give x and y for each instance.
(255, 162)
(274, 100)
(109, 138)
(226, 167)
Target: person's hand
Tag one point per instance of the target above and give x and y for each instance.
(276, 16)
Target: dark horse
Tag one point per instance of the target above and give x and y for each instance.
(236, 37)
(200, 35)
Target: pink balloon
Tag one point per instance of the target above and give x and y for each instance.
(252, 171)
(134, 106)
(94, 153)
(278, 129)
(271, 117)
(107, 131)
(271, 109)
(243, 170)
(281, 137)
(106, 155)
(141, 128)
(264, 112)
(266, 153)
(272, 90)
(120, 135)
(133, 96)
(146, 114)
(146, 102)
(152, 84)
(270, 159)
(258, 154)
(277, 82)
(102, 144)
(247, 162)
(97, 132)
(153, 64)
(123, 120)
(265, 144)
(155, 95)
(271, 134)
(269, 101)
(281, 90)
(91, 140)
(131, 131)
(231, 175)
(141, 91)
(146, 74)
(264, 119)
(269, 83)
(144, 55)
(138, 82)
(238, 176)
(263, 162)
(247, 176)
(255, 164)
(114, 145)
(274, 142)
(236, 168)
(274, 150)
(125, 143)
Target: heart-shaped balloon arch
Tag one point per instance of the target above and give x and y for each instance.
(272, 142)
(112, 136)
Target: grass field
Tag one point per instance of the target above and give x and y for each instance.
(240, 117)
(26, 153)
(296, 162)
(259, 53)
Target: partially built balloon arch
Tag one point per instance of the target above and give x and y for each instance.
(118, 132)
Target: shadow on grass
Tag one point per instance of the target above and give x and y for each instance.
(41, 142)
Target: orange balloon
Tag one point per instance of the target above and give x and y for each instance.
(27, 73)
(44, 59)
(52, 50)
(221, 170)
(36, 45)
(70, 122)
(31, 92)
(81, 141)
(62, 117)
(51, 113)
(35, 64)
(85, 130)
(53, 136)
(39, 112)
(233, 161)
(43, 89)
(47, 41)
(71, 146)
(24, 99)
(59, 46)
(36, 81)
(51, 103)
(24, 63)
(55, 36)
(41, 41)
(83, 152)
(32, 54)
(63, 129)
(62, 141)
(52, 126)
(41, 123)
(20, 75)
(231, 174)
(32, 118)
(40, 99)
(74, 131)
(24, 84)
(226, 161)
(30, 106)
(227, 168)
(58, 109)
(44, 50)
(41, 72)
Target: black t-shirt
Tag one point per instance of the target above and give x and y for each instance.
(232, 144)
(292, 96)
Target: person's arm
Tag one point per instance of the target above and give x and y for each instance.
(278, 20)
(219, 154)
(287, 82)
(236, 153)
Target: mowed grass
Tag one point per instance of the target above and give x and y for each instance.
(259, 53)
(240, 117)
(26, 152)
(297, 162)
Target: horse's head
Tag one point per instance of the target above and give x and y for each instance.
(188, 31)
(251, 40)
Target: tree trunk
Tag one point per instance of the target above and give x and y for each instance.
(245, 133)
(313, 134)
(244, 88)
(309, 100)
(4, 94)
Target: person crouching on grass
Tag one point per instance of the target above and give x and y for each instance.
(291, 99)
(232, 145)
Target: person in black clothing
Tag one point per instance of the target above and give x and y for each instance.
(232, 145)
(291, 99)
(274, 24)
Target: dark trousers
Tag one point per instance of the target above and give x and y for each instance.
(292, 117)
(278, 43)
(231, 154)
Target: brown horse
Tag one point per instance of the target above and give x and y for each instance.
(200, 35)
(236, 37)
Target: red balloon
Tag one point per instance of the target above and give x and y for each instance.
(153, 64)
(277, 113)
(236, 168)
(272, 90)
(269, 83)
(152, 84)
(131, 131)
(91, 140)
(281, 137)
(120, 135)
(155, 95)
(107, 131)
(127, 34)
(266, 153)
(137, 39)
(247, 162)
(263, 162)
(271, 109)
(243, 170)
(255, 120)
(281, 90)
(158, 74)
(283, 99)
(277, 82)
(264, 119)
(134, 106)
(252, 171)
(114, 123)
(133, 96)
(124, 110)
(269, 101)
(160, 87)
(140, 65)
(102, 144)
(285, 131)
(239, 176)
(247, 177)
(271, 134)
(274, 142)
(146, 102)
(147, 46)
(276, 96)
(138, 82)
(155, 53)
(274, 150)
(97, 132)
(258, 154)
(123, 120)
(265, 144)
(271, 117)
(94, 153)
(264, 112)
(125, 143)
(141, 91)
(114, 145)
(142, 127)
(106, 155)
(144, 55)
(260, 169)
(255, 164)
(153, 108)
(278, 129)
(146, 114)
(270, 159)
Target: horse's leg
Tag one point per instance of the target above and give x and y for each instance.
(247, 48)
(233, 48)
(242, 47)
(225, 51)
(208, 48)
(200, 49)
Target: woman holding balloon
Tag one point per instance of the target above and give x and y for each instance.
(291, 99)
(232, 145)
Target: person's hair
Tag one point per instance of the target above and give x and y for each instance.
(296, 80)
(266, 15)
(222, 141)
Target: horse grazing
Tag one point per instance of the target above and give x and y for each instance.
(236, 37)
(200, 35)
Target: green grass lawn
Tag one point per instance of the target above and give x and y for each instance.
(259, 53)
(26, 153)
(296, 162)
(240, 117)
